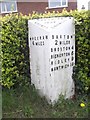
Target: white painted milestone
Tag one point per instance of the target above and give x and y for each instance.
(52, 56)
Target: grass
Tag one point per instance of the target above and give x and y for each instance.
(24, 102)
(0, 103)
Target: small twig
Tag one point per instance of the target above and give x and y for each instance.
(13, 112)
(21, 95)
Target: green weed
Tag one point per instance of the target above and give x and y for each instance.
(24, 102)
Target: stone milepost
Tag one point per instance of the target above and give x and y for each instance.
(52, 56)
